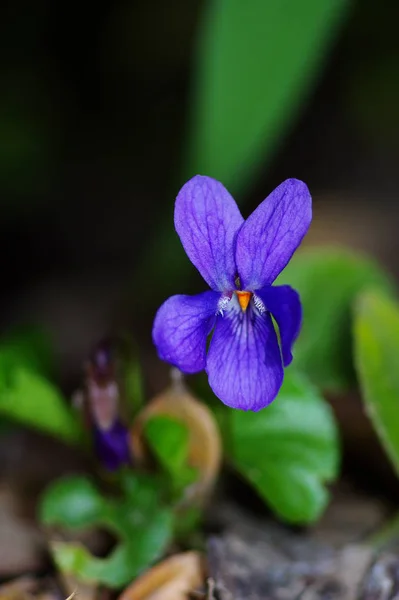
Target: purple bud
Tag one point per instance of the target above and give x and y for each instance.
(103, 404)
(112, 446)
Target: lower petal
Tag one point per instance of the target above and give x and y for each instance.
(285, 305)
(244, 361)
(181, 327)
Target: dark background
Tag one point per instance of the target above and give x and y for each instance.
(93, 107)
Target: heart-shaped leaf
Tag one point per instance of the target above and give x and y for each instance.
(288, 451)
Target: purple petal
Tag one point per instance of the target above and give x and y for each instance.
(270, 236)
(181, 327)
(207, 220)
(112, 446)
(285, 305)
(244, 361)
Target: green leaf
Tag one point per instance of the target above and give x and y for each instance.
(168, 439)
(28, 346)
(328, 281)
(74, 559)
(144, 527)
(376, 334)
(257, 62)
(73, 502)
(124, 563)
(289, 450)
(28, 398)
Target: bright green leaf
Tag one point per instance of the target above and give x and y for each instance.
(288, 451)
(74, 559)
(143, 527)
(125, 562)
(257, 62)
(328, 281)
(168, 439)
(28, 398)
(376, 333)
(72, 502)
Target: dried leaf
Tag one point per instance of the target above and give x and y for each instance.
(172, 579)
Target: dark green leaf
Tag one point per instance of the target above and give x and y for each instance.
(187, 521)
(133, 382)
(328, 281)
(257, 62)
(26, 346)
(376, 333)
(289, 450)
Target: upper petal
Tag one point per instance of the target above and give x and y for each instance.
(285, 305)
(207, 220)
(270, 236)
(244, 361)
(181, 327)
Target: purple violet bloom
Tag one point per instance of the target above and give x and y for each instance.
(239, 260)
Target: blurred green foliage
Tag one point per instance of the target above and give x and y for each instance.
(130, 372)
(168, 439)
(27, 139)
(27, 346)
(256, 63)
(141, 523)
(29, 399)
(376, 334)
(26, 395)
(328, 281)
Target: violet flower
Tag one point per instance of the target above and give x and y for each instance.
(239, 260)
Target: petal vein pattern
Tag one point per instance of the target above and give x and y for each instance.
(244, 361)
(181, 327)
(272, 233)
(207, 220)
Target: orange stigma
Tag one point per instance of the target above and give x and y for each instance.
(243, 299)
